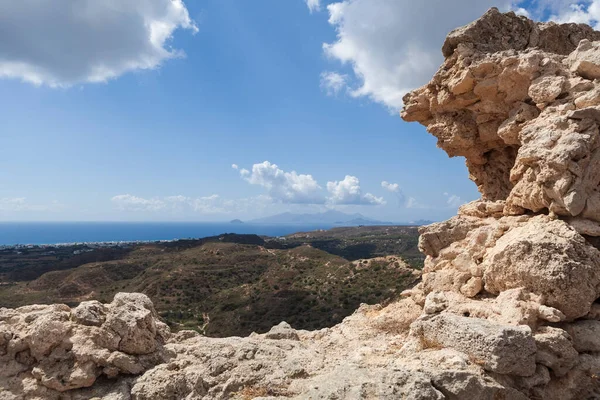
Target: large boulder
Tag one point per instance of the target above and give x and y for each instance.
(548, 258)
(503, 349)
(47, 350)
(555, 350)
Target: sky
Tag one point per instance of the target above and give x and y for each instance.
(210, 110)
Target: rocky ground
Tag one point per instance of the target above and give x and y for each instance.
(508, 306)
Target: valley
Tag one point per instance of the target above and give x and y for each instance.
(228, 284)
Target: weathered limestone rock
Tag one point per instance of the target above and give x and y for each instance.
(521, 102)
(548, 258)
(555, 350)
(54, 349)
(282, 331)
(134, 322)
(435, 302)
(91, 313)
(585, 60)
(498, 348)
(585, 334)
(496, 32)
(496, 100)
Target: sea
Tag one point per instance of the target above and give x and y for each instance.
(40, 233)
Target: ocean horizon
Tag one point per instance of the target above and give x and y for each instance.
(49, 233)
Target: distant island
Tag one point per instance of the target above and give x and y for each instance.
(236, 221)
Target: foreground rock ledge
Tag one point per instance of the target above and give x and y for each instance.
(508, 306)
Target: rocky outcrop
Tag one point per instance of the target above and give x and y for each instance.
(520, 101)
(508, 304)
(520, 109)
(48, 351)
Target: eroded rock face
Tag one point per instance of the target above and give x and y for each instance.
(523, 111)
(521, 102)
(49, 350)
(504, 349)
(508, 305)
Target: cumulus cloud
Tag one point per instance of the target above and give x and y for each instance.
(286, 187)
(65, 42)
(522, 11)
(393, 46)
(411, 202)
(332, 82)
(453, 200)
(313, 5)
(348, 191)
(235, 166)
(244, 172)
(390, 187)
(293, 188)
(581, 12)
(395, 188)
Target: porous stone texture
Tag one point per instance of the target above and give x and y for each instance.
(498, 348)
(521, 102)
(508, 303)
(522, 110)
(48, 352)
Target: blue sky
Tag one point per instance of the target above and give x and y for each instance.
(89, 134)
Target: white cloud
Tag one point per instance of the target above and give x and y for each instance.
(65, 42)
(391, 187)
(453, 200)
(348, 192)
(293, 188)
(235, 166)
(208, 205)
(412, 203)
(313, 5)
(177, 199)
(213, 204)
(20, 204)
(286, 187)
(393, 46)
(332, 82)
(127, 202)
(582, 12)
(522, 11)
(12, 204)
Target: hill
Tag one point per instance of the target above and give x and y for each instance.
(358, 242)
(237, 284)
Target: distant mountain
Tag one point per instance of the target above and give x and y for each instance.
(421, 222)
(236, 221)
(330, 217)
